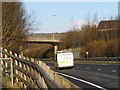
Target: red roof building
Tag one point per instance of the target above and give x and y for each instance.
(107, 25)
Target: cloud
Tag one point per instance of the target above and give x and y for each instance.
(76, 24)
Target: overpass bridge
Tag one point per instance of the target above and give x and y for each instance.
(44, 40)
(52, 41)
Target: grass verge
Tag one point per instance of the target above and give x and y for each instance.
(6, 82)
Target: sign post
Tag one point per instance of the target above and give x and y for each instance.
(87, 54)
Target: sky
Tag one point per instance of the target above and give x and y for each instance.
(53, 17)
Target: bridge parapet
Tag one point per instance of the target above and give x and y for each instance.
(31, 73)
(47, 36)
(43, 40)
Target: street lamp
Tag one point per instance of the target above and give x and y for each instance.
(53, 32)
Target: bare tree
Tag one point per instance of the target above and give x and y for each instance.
(87, 18)
(14, 25)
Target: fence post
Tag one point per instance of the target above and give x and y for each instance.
(16, 71)
(43, 82)
(32, 60)
(25, 78)
(1, 55)
(11, 61)
(39, 76)
(21, 68)
(28, 78)
(40, 63)
(11, 71)
(6, 64)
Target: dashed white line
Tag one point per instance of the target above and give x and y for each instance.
(113, 71)
(92, 84)
(99, 69)
(87, 68)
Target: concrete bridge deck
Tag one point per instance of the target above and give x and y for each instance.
(34, 39)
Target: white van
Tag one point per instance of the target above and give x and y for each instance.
(64, 59)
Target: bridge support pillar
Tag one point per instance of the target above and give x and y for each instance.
(55, 50)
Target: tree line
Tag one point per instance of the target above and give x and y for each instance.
(89, 39)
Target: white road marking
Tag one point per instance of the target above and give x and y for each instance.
(113, 71)
(104, 64)
(88, 68)
(92, 84)
(99, 69)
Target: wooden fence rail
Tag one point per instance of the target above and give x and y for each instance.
(31, 73)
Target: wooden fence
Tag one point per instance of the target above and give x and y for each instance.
(31, 73)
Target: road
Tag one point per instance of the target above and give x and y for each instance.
(91, 76)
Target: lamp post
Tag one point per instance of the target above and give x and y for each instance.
(53, 32)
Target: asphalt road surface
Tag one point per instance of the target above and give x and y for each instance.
(92, 76)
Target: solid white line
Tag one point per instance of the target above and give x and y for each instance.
(82, 81)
